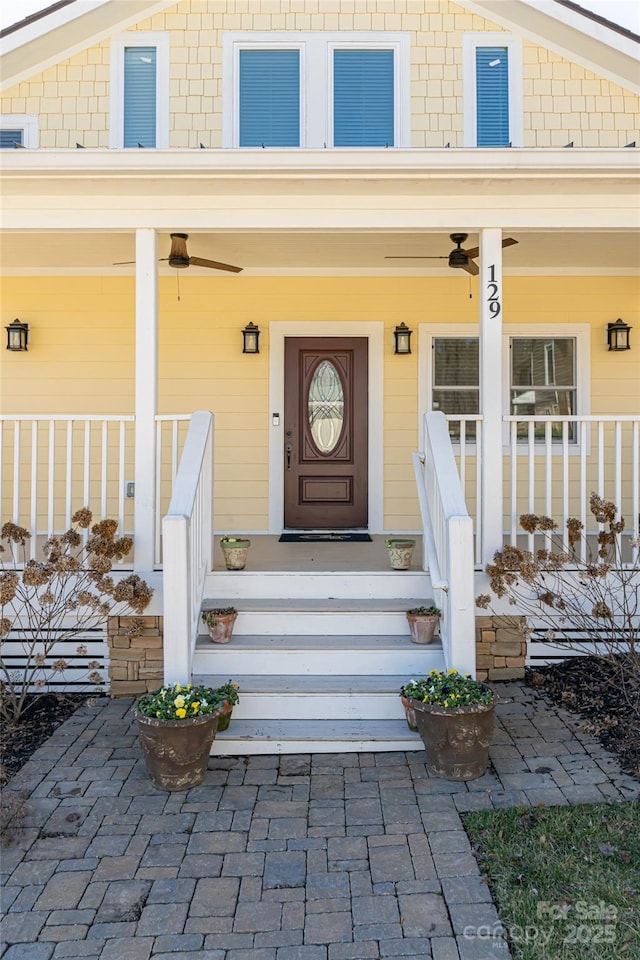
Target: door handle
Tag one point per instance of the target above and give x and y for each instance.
(288, 448)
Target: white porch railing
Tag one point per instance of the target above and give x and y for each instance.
(554, 463)
(51, 465)
(448, 543)
(187, 548)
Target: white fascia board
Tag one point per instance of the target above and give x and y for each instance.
(599, 49)
(273, 164)
(46, 42)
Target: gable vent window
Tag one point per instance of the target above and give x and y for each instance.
(140, 96)
(363, 98)
(19, 129)
(269, 98)
(492, 97)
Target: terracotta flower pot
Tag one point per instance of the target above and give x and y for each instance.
(422, 626)
(176, 752)
(411, 716)
(224, 719)
(456, 740)
(221, 630)
(235, 553)
(400, 553)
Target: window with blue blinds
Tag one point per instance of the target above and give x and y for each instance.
(363, 98)
(9, 137)
(140, 96)
(492, 97)
(269, 98)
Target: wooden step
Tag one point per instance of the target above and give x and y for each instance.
(234, 585)
(245, 737)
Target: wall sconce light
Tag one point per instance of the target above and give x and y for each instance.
(618, 335)
(251, 338)
(17, 336)
(402, 337)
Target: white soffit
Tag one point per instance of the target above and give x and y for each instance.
(574, 36)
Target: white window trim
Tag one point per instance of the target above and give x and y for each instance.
(316, 81)
(470, 42)
(580, 332)
(161, 41)
(27, 122)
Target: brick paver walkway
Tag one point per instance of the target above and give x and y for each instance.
(314, 857)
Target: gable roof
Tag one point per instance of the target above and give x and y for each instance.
(68, 26)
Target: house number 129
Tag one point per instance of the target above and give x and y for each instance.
(492, 288)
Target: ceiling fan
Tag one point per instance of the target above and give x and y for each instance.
(460, 258)
(179, 257)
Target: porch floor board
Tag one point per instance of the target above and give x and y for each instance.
(268, 554)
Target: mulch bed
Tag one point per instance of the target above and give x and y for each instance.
(43, 714)
(591, 687)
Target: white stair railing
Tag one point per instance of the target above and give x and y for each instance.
(448, 543)
(187, 548)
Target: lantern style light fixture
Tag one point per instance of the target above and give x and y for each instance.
(402, 338)
(618, 335)
(17, 336)
(251, 338)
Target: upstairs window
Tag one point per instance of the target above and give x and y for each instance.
(363, 98)
(140, 90)
(269, 98)
(492, 79)
(18, 128)
(139, 96)
(316, 90)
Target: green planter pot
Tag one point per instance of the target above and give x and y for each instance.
(235, 553)
(456, 740)
(176, 752)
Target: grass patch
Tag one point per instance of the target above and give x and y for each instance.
(566, 880)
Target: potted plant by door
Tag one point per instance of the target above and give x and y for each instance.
(235, 551)
(177, 726)
(422, 623)
(220, 621)
(454, 715)
(400, 552)
(227, 697)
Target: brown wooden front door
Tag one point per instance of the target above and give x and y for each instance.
(326, 432)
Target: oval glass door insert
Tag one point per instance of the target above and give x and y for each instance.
(325, 406)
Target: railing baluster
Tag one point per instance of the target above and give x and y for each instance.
(52, 479)
(531, 440)
(584, 427)
(565, 484)
(121, 476)
(33, 544)
(635, 486)
(103, 471)
(600, 458)
(16, 473)
(513, 493)
(548, 482)
(68, 505)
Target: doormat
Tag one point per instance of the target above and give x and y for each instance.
(325, 538)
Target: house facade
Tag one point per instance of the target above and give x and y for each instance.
(423, 208)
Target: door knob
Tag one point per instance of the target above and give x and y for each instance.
(288, 448)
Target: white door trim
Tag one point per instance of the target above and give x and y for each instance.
(374, 332)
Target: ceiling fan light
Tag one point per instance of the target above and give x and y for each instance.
(178, 256)
(458, 258)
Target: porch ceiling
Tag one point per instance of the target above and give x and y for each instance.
(297, 252)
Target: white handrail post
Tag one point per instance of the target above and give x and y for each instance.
(461, 601)
(491, 390)
(146, 388)
(176, 600)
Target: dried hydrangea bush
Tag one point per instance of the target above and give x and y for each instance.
(45, 604)
(579, 596)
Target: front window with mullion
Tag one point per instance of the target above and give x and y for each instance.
(543, 383)
(456, 381)
(269, 98)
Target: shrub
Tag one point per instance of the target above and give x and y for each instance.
(47, 603)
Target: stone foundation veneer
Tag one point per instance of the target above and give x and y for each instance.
(500, 648)
(135, 655)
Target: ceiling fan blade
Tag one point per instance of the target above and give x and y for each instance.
(123, 263)
(416, 258)
(507, 242)
(214, 265)
(472, 268)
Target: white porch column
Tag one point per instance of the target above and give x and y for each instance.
(491, 389)
(146, 393)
